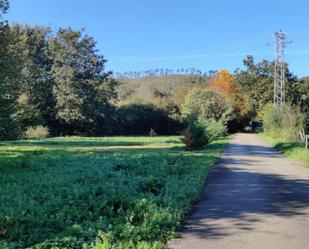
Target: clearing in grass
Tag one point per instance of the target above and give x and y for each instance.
(117, 192)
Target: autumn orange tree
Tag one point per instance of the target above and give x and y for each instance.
(239, 110)
(222, 81)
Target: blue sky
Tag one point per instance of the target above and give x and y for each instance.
(149, 34)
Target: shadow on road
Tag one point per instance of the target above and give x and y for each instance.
(255, 150)
(237, 195)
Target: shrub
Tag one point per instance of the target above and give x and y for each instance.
(195, 136)
(214, 129)
(283, 121)
(37, 132)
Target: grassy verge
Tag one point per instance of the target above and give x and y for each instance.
(293, 150)
(103, 193)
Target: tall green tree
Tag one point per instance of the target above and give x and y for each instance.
(8, 77)
(204, 103)
(83, 92)
(36, 83)
(256, 82)
(302, 99)
(3, 43)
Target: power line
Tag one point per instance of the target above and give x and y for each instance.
(214, 51)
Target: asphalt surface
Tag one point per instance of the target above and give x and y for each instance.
(254, 198)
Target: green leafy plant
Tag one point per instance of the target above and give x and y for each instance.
(195, 136)
(214, 129)
(81, 192)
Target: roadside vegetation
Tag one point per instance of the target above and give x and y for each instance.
(282, 125)
(118, 192)
(292, 149)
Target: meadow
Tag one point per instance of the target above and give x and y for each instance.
(94, 192)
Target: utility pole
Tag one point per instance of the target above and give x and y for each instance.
(279, 75)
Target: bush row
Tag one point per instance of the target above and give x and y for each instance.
(131, 119)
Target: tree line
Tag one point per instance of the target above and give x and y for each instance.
(163, 72)
(53, 79)
(57, 80)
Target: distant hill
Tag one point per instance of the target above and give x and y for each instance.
(148, 88)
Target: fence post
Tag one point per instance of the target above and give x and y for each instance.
(300, 136)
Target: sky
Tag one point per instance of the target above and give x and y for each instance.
(136, 35)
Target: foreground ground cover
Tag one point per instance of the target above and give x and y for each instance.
(120, 192)
(293, 150)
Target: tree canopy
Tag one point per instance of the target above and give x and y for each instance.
(57, 80)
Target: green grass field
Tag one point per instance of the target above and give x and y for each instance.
(117, 192)
(293, 150)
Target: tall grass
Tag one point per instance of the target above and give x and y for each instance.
(283, 121)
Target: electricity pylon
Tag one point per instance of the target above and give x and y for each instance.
(279, 75)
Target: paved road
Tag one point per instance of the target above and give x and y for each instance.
(254, 199)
